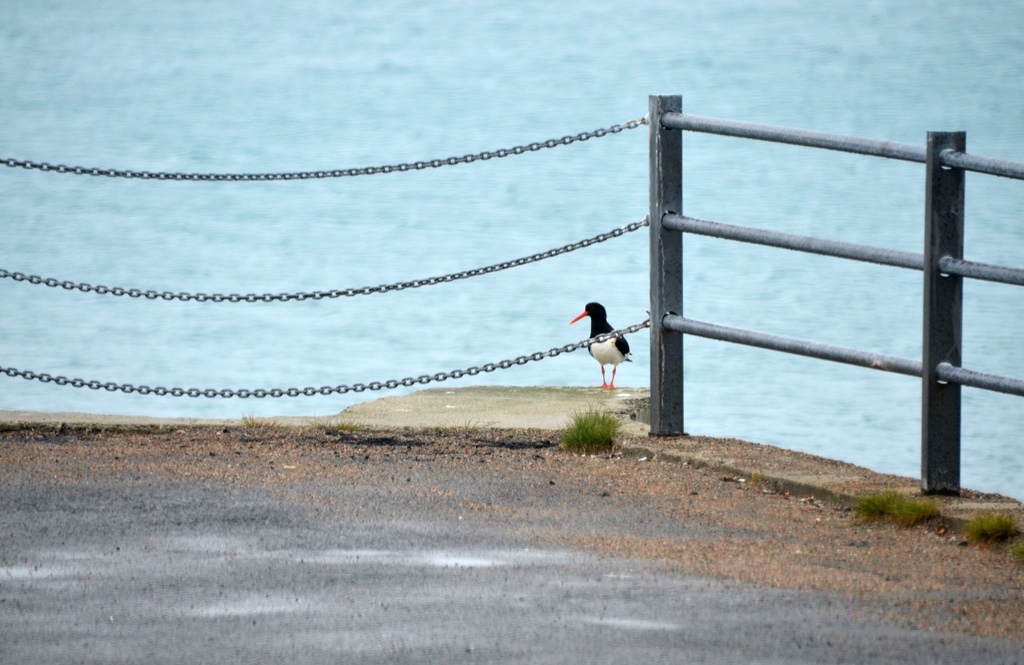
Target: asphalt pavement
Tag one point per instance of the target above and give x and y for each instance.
(115, 572)
(136, 567)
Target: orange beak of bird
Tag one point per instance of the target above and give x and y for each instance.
(578, 318)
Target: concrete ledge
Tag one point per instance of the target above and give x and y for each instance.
(552, 408)
(499, 407)
(477, 407)
(804, 475)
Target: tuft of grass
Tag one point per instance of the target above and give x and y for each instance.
(991, 528)
(873, 507)
(899, 507)
(915, 511)
(456, 428)
(251, 421)
(1017, 550)
(339, 425)
(591, 432)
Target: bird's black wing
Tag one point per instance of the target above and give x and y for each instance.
(622, 345)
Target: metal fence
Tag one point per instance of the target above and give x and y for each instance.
(941, 262)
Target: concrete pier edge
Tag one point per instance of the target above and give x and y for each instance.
(767, 467)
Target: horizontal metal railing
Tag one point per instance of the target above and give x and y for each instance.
(975, 379)
(836, 248)
(801, 137)
(796, 346)
(839, 249)
(986, 271)
(942, 264)
(989, 165)
(827, 141)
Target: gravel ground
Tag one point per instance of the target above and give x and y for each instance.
(688, 519)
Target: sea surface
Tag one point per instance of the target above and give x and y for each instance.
(218, 86)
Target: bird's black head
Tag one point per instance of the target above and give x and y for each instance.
(596, 311)
(598, 318)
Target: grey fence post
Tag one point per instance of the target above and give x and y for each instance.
(666, 191)
(943, 237)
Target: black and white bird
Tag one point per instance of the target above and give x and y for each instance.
(609, 352)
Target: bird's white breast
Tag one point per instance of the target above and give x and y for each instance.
(606, 352)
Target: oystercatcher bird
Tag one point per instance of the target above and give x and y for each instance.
(609, 352)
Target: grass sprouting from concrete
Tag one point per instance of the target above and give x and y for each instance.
(456, 428)
(991, 528)
(896, 506)
(591, 432)
(251, 421)
(873, 507)
(338, 424)
(1017, 550)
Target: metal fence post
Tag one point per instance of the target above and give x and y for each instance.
(944, 237)
(666, 196)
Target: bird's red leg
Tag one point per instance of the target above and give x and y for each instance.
(612, 384)
(604, 382)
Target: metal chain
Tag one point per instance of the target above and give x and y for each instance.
(335, 173)
(324, 390)
(318, 295)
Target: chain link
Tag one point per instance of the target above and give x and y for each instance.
(390, 384)
(335, 173)
(317, 295)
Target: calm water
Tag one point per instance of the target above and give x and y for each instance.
(274, 86)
